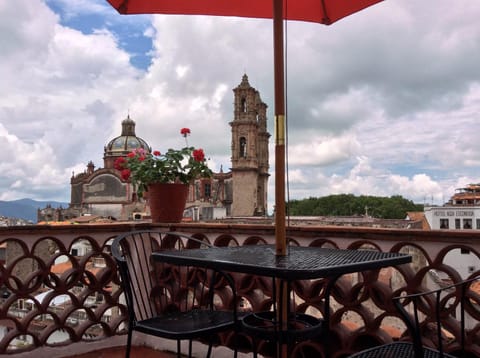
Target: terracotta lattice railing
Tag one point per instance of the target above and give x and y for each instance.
(59, 285)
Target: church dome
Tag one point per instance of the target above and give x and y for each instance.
(122, 145)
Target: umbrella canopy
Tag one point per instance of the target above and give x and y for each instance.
(321, 11)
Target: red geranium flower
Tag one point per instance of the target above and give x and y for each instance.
(131, 154)
(126, 174)
(156, 153)
(198, 155)
(185, 131)
(119, 163)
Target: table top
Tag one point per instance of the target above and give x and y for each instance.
(300, 263)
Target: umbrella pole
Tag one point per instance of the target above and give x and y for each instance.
(280, 229)
(279, 79)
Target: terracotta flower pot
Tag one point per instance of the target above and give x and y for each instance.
(167, 202)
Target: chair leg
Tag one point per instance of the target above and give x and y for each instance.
(190, 343)
(209, 352)
(235, 342)
(129, 342)
(254, 347)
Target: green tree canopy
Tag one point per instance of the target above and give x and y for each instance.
(394, 207)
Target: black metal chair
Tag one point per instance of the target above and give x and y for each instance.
(432, 318)
(173, 302)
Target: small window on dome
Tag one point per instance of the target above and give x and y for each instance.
(117, 143)
(133, 143)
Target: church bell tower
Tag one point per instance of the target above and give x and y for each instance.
(249, 152)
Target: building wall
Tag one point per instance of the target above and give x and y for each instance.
(453, 217)
(244, 193)
(459, 217)
(105, 188)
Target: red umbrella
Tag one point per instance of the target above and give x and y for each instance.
(321, 11)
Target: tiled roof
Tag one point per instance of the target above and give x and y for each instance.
(419, 216)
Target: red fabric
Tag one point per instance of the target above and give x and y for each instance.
(322, 11)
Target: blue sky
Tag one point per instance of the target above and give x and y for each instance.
(132, 35)
(384, 102)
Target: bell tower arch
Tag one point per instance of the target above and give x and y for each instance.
(249, 152)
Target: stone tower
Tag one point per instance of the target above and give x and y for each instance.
(249, 152)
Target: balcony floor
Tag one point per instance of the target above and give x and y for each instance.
(145, 352)
(119, 352)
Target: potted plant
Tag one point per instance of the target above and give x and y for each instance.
(166, 177)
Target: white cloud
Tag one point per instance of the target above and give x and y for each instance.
(324, 151)
(53, 78)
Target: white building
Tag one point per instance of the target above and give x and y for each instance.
(453, 217)
(461, 212)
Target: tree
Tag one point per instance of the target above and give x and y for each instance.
(394, 207)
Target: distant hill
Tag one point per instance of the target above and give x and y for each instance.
(26, 208)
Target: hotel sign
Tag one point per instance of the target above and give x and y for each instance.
(458, 213)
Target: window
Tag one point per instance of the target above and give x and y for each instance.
(244, 105)
(478, 223)
(457, 224)
(443, 223)
(464, 251)
(207, 189)
(243, 147)
(467, 223)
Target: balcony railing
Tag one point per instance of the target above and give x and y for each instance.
(59, 286)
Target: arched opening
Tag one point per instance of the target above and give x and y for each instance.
(243, 105)
(243, 147)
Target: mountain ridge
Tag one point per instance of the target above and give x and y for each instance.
(26, 208)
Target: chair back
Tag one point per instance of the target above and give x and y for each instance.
(152, 288)
(438, 318)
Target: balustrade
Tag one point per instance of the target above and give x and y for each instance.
(59, 285)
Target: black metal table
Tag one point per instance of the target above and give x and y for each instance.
(301, 263)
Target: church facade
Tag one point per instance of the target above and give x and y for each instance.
(242, 191)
